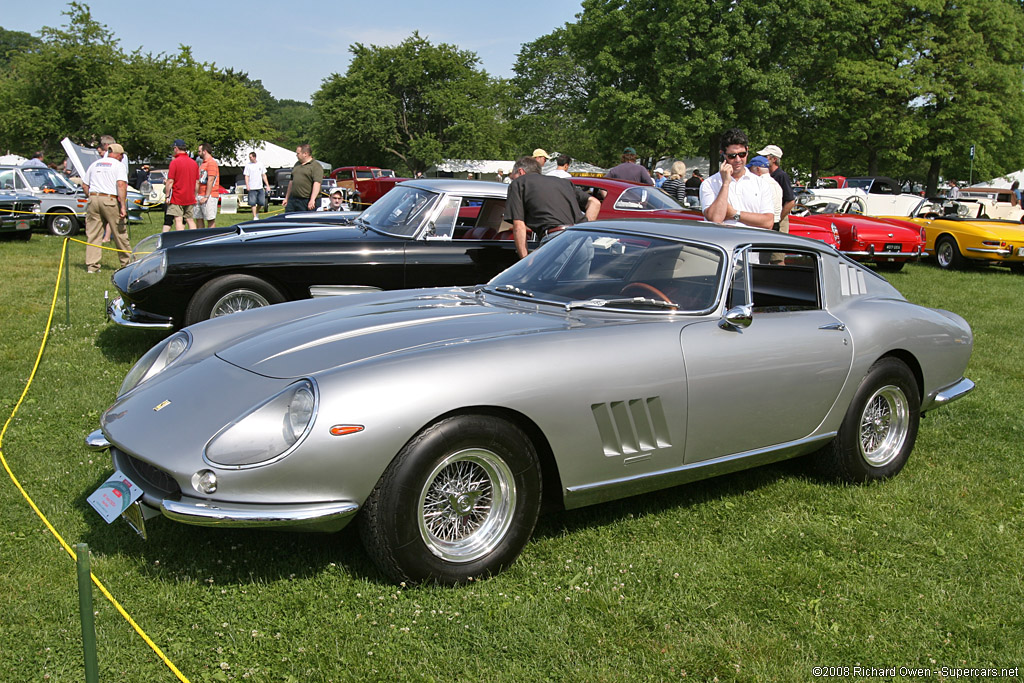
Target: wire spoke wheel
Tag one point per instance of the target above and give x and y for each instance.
(884, 426)
(238, 300)
(466, 505)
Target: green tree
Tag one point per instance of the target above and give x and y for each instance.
(13, 42)
(42, 94)
(551, 94)
(415, 103)
(292, 123)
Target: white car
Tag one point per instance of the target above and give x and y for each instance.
(871, 196)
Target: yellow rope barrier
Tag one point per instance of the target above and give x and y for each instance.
(39, 513)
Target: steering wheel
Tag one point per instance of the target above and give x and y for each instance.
(650, 289)
(853, 204)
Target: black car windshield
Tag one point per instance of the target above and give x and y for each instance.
(401, 211)
(46, 179)
(604, 269)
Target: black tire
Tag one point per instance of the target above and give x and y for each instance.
(1017, 268)
(889, 267)
(24, 235)
(476, 527)
(880, 427)
(947, 253)
(230, 294)
(62, 223)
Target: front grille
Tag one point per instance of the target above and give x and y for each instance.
(152, 480)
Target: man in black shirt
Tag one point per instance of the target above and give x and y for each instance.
(541, 203)
(774, 153)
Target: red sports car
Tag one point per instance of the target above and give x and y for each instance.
(623, 199)
(886, 242)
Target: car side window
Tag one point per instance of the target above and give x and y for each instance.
(481, 219)
(7, 179)
(782, 281)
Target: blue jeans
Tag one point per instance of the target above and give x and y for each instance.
(257, 197)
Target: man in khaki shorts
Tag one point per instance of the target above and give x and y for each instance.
(181, 188)
(106, 185)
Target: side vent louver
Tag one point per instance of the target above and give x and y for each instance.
(633, 426)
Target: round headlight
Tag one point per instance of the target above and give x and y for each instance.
(268, 431)
(156, 360)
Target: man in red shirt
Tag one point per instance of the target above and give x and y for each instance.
(209, 179)
(182, 187)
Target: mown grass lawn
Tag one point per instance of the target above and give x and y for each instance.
(760, 575)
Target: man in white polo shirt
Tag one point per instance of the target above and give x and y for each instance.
(734, 195)
(106, 185)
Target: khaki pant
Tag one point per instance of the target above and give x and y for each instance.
(103, 210)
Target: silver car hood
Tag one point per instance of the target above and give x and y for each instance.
(351, 333)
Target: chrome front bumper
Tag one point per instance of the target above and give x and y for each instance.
(949, 394)
(330, 516)
(126, 316)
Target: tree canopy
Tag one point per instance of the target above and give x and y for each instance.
(414, 104)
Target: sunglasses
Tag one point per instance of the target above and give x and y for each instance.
(741, 155)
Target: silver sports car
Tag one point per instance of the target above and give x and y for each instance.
(619, 358)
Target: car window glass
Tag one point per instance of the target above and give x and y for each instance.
(401, 211)
(645, 199)
(364, 174)
(591, 264)
(481, 219)
(444, 224)
(781, 281)
(7, 179)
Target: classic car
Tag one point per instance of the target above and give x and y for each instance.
(426, 233)
(887, 243)
(153, 188)
(368, 183)
(619, 358)
(623, 199)
(62, 202)
(959, 232)
(19, 213)
(872, 196)
(996, 200)
(275, 193)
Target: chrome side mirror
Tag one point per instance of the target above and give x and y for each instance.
(737, 317)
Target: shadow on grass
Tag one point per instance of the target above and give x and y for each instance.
(126, 344)
(182, 553)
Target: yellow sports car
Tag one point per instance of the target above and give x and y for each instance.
(960, 232)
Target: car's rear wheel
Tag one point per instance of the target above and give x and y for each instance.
(230, 294)
(62, 223)
(947, 253)
(880, 427)
(459, 501)
(889, 267)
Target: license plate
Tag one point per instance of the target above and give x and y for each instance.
(889, 246)
(115, 496)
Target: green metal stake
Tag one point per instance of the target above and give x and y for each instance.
(67, 282)
(85, 607)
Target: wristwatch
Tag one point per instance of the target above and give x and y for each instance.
(736, 216)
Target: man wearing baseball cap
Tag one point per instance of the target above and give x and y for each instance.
(106, 185)
(629, 169)
(773, 153)
(542, 157)
(182, 187)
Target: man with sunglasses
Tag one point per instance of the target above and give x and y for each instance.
(734, 195)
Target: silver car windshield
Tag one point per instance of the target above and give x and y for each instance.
(607, 270)
(401, 211)
(46, 179)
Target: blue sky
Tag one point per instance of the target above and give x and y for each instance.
(292, 46)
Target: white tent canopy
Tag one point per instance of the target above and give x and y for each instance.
(12, 159)
(267, 153)
(493, 166)
(1004, 181)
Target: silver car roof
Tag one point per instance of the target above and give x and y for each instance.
(459, 186)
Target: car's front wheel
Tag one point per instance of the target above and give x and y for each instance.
(459, 501)
(230, 294)
(62, 223)
(947, 254)
(880, 427)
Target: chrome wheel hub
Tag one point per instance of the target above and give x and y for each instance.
(884, 426)
(238, 300)
(466, 505)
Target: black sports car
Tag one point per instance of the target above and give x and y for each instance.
(423, 233)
